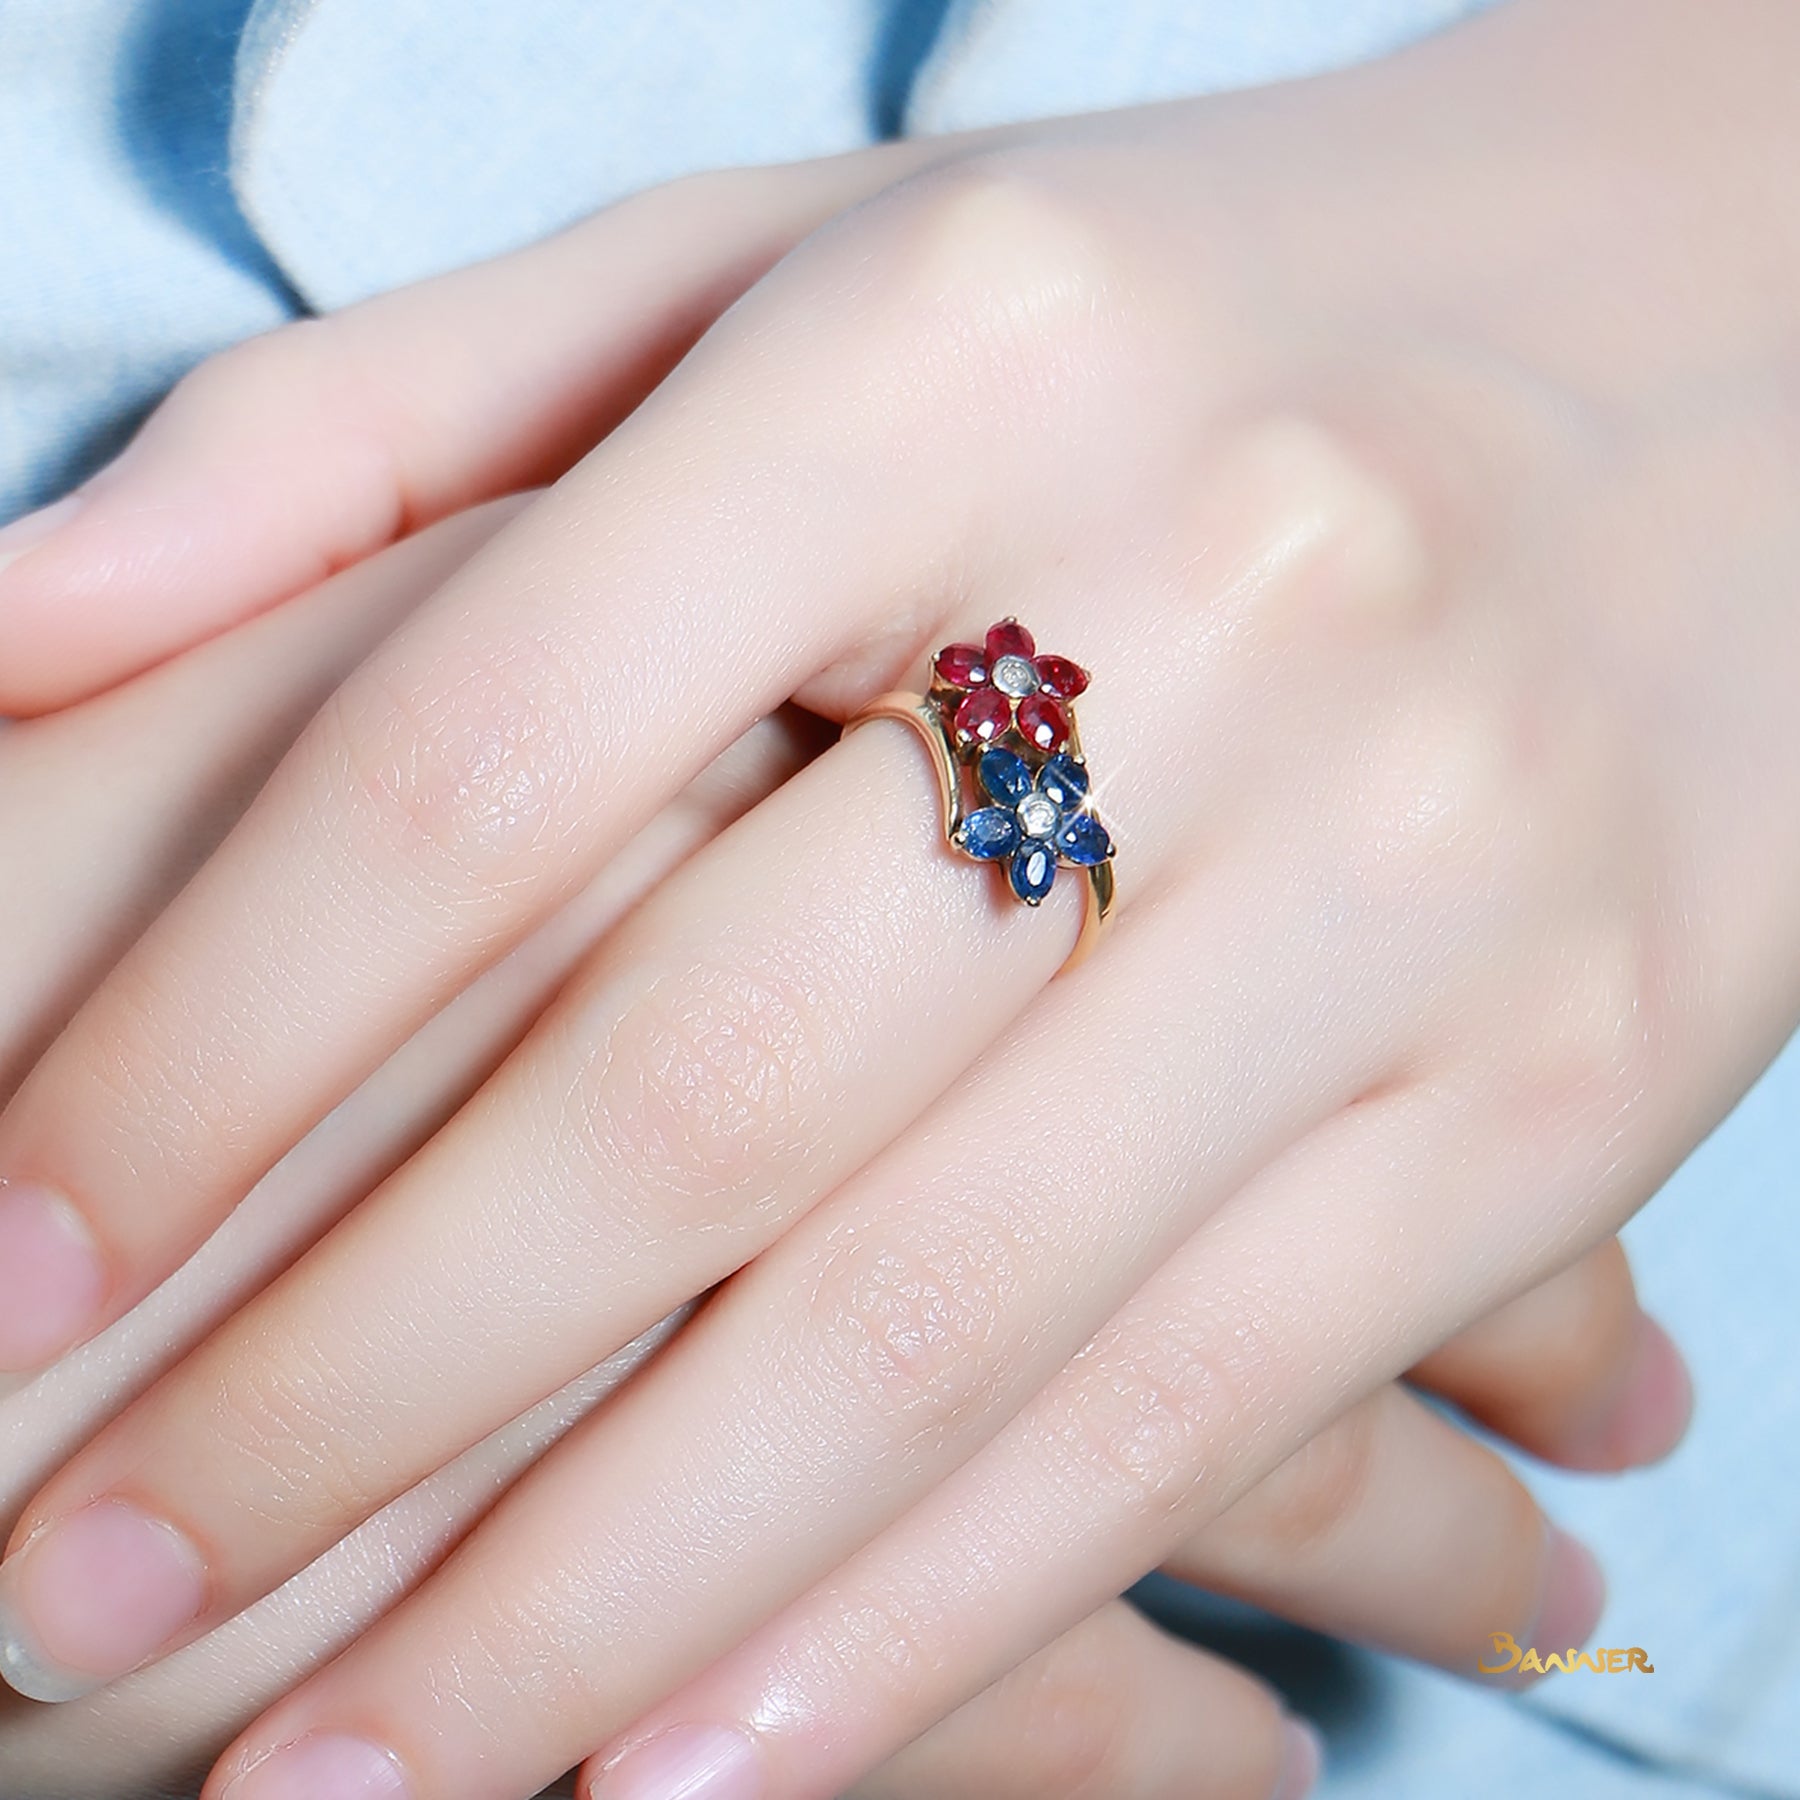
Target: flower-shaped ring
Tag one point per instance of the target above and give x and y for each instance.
(999, 720)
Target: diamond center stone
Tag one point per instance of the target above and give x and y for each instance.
(1014, 676)
(1037, 816)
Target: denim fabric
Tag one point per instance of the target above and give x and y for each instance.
(175, 175)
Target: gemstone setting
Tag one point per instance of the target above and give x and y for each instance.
(1039, 816)
(1008, 716)
(1014, 677)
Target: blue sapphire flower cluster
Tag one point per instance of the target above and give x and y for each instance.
(1039, 820)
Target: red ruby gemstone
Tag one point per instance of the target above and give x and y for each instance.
(1009, 638)
(1060, 678)
(1042, 722)
(963, 665)
(982, 716)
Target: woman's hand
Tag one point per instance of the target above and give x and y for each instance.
(114, 802)
(1435, 583)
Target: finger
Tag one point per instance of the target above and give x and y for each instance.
(931, 1305)
(175, 1717)
(294, 454)
(719, 1070)
(1390, 1527)
(1573, 1370)
(1115, 1708)
(1395, 1528)
(112, 805)
(486, 760)
(1228, 1360)
(165, 1724)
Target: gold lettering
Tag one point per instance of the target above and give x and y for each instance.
(1534, 1662)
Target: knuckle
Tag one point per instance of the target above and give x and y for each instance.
(273, 365)
(1439, 814)
(1347, 547)
(998, 270)
(313, 375)
(1599, 1034)
(708, 1091)
(477, 766)
(1513, 820)
(1140, 1424)
(1301, 1504)
(885, 1637)
(911, 1326)
(1574, 1043)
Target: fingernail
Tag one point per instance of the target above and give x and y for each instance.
(1302, 1757)
(27, 533)
(51, 1278)
(326, 1766)
(1573, 1599)
(91, 1597)
(686, 1762)
(1658, 1402)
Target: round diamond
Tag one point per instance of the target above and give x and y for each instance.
(1015, 676)
(1039, 816)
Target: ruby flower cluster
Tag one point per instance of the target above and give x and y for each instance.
(1038, 817)
(1004, 685)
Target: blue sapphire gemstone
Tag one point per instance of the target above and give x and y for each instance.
(1083, 840)
(1063, 780)
(1033, 868)
(992, 832)
(1005, 774)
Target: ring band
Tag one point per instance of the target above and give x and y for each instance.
(1000, 718)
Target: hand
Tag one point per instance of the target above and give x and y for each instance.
(111, 805)
(115, 801)
(1450, 915)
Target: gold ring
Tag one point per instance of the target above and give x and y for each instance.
(999, 721)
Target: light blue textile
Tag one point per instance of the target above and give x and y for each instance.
(122, 258)
(175, 175)
(998, 61)
(366, 171)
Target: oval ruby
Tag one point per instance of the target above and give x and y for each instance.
(963, 665)
(1060, 678)
(1009, 638)
(982, 716)
(1042, 722)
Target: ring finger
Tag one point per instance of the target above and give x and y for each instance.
(564, 1619)
(747, 1042)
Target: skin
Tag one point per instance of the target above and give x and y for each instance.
(1438, 504)
(117, 800)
